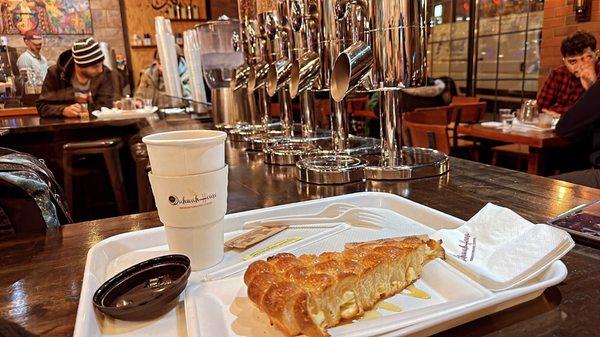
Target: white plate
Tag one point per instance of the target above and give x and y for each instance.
(492, 124)
(170, 111)
(119, 252)
(118, 113)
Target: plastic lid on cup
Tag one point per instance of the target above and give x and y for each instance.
(145, 290)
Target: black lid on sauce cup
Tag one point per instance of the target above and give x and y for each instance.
(145, 290)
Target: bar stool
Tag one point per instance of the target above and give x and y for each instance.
(109, 149)
(142, 167)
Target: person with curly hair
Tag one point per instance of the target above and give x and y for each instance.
(567, 83)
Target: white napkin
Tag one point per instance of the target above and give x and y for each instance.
(502, 249)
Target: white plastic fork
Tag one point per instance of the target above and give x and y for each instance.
(331, 211)
(357, 217)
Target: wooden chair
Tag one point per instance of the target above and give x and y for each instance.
(466, 113)
(442, 116)
(428, 128)
(436, 115)
(464, 99)
(469, 113)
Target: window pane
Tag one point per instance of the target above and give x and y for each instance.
(510, 87)
(439, 58)
(512, 56)
(536, 19)
(458, 69)
(460, 30)
(486, 86)
(514, 22)
(459, 50)
(531, 86)
(532, 68)
(486, 57)
(489, 26)
(441, 32)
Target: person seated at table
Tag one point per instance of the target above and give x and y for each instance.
(152, 83)
(582, 121)
(32, 59)
(77, 82)
(565, 84)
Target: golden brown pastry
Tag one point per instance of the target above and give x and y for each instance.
(309, 293)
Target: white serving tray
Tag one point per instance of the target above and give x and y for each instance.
(119, 252)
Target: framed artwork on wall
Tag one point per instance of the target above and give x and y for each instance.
(50, 17)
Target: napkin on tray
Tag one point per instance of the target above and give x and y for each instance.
(500, 250)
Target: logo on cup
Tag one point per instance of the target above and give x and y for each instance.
(192, 202)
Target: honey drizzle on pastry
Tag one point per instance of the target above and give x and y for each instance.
(388, 306)
(413, 291)
(371, 314)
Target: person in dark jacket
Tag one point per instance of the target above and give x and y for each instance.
(78, 84)
(582, 121)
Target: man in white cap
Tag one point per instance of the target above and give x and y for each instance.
(31, 58)
(78, 83)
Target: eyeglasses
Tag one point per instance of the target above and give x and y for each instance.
(585, 58)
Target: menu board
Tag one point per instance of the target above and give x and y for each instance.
(46, 16)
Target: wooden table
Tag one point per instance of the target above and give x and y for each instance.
(538, 142)
(24, 111)
(44, 138)
(41, 275)
(33, 123)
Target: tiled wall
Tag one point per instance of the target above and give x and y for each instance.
(106, 20)
(559, 22)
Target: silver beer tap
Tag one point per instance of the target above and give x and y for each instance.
(306, 67)
(293, 44)
(278, 74)
(343, 26)
(397, 35)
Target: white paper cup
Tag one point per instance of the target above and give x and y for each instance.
(202, 244)
(190, 201)
(180, 153)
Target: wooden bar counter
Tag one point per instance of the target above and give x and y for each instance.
(41, 275)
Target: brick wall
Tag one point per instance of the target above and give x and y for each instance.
(559, 22)
(107, 25)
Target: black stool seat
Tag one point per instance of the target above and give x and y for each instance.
(109, 149)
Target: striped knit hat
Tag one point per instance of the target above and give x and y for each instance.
(87, 52)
